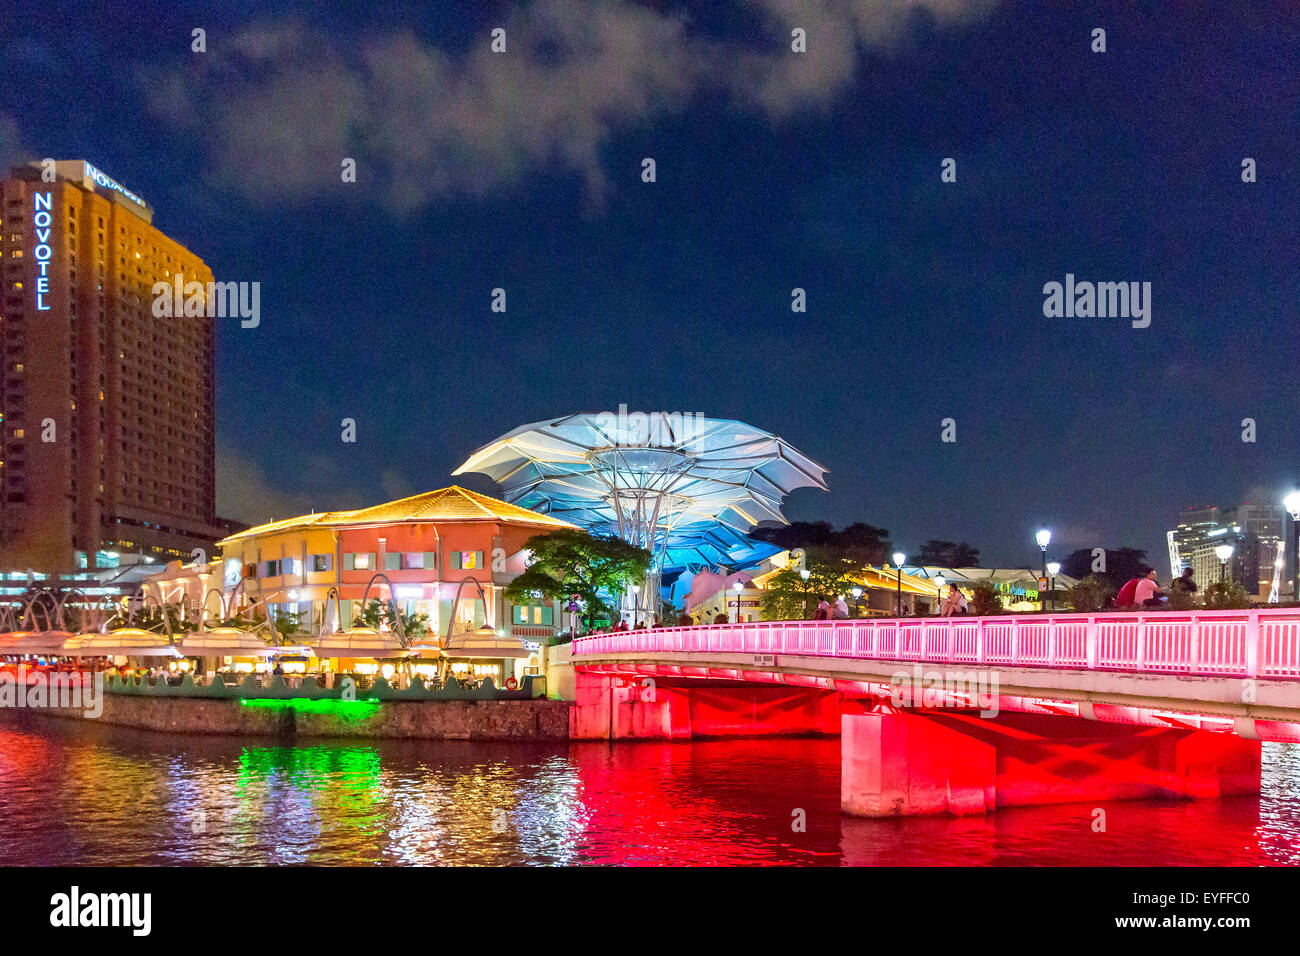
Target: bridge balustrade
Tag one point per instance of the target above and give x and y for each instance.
(1263, 642)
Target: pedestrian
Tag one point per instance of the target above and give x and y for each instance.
(1148, 593)
(1183, 582)
(823, 612)
(952, 604)
(841, 609)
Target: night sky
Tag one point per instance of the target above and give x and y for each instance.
(775, 170)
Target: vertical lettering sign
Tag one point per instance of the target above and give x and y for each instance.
(42, 220)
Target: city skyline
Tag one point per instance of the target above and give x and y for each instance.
(677, 294)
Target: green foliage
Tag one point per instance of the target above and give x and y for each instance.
(859, 543)
(1091, 594)
(1226, 594)
(949, 554)
(1180, 599)
(985, 600)
(783, 600)
(377, 613)
(566, 563)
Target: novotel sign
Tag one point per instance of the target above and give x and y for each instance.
(95, 176)
(42, 223)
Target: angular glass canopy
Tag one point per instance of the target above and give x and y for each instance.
(685, 487)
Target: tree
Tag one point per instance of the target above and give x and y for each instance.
(946, 554)
(568, 563)
(860, 542)
(1091, 593)
(985, 600)
(784, 597)
(1226, 594)
(1121, 564)
(377, 613)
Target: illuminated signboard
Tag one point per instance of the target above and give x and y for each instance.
(1029, 594)
(42, 223)
(100, 179)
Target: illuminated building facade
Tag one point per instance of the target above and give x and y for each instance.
(447, 554)
(108, 442)
(1254, 531)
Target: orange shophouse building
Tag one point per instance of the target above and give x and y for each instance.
(447, 553)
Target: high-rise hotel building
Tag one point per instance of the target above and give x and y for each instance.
(108, 443)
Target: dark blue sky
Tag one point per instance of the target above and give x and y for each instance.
(523, 171)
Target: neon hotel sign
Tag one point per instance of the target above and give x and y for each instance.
(43, 220)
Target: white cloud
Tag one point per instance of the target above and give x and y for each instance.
(281, 105)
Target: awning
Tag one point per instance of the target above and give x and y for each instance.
(44, 643)
(479, 645)
(129, 642)
(360, 642)
(224, 642)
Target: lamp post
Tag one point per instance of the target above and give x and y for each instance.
(938, 595)
(1223, 552)
(899, 558)
(1044, 538)
(1292, 504)
(1053, 568)
(739, 586)
(857, 602)
(636, 610)
(803, 573)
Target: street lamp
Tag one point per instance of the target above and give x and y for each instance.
(1053, 568)
(739, 586)
(804, 573)
(938, 596)
(899, 558)
(636, 611)
(1292, 504)
(1223, 552)
(1044, 538)
(857, 602)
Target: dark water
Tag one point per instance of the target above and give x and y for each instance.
(77, 794)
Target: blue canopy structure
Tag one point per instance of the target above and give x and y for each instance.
(685, 487)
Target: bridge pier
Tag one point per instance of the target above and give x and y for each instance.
(903, 763)
(633, 707)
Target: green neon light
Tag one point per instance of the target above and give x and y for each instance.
(349, 710)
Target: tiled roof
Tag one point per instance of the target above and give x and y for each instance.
(445, 504)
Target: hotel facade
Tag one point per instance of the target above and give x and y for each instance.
(108, 440)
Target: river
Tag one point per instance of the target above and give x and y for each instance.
(78, 794)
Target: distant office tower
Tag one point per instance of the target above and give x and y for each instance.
(107, 410)
(1254, 531)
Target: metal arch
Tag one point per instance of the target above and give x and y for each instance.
(221, 604)
(398, 628)
(30, 605)
(455, 601)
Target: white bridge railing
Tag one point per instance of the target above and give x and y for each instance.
(1253, 643)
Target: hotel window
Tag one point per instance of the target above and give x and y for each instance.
(419, 560)
(466, 560)
(393, 562)
(358, 562)
(321, 562)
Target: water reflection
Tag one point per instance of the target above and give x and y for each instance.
(81, 794)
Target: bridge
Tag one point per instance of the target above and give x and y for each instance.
(967, 714)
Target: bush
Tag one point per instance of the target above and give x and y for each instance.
(985, 600)
(1180, 599)
(1226, 594)
(1091, 594)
